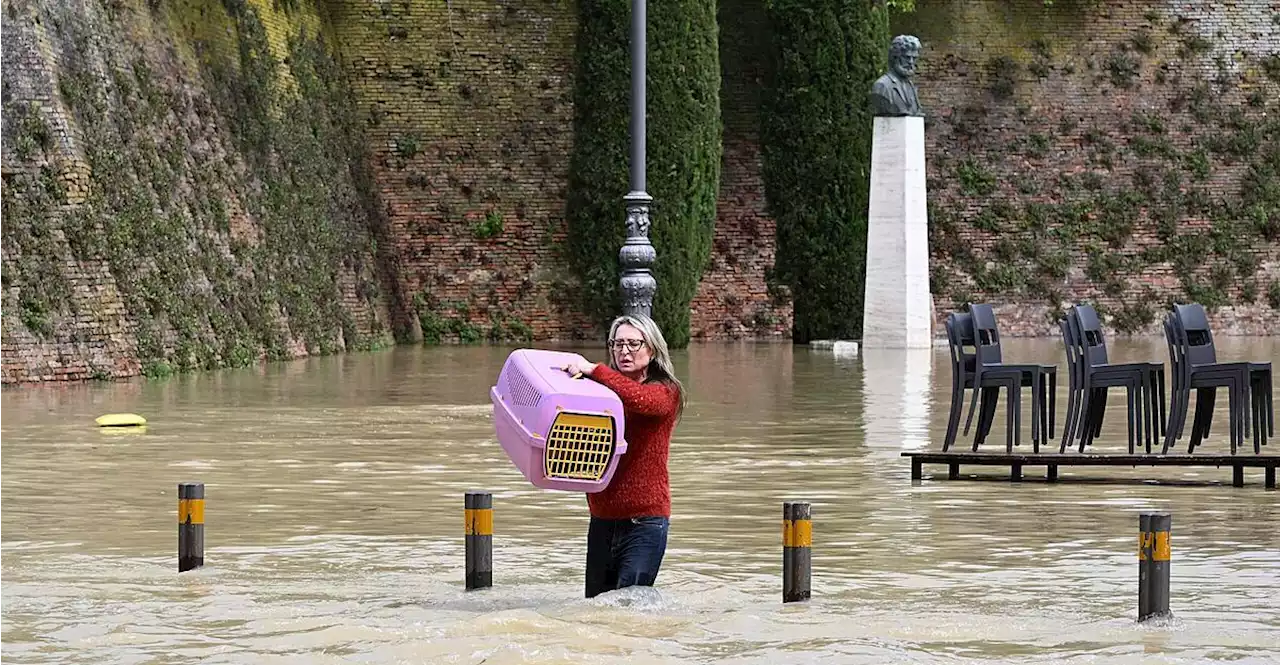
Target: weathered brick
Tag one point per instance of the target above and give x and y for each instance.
(485, 93)
(1073, 102)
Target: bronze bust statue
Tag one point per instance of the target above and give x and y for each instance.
(894, 94)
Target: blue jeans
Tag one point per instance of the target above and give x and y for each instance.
(623, 553)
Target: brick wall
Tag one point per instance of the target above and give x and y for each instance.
(469, 106)
(734, 299)
(482, 94)
(1052, 128)
(88, 330)
(97, 339)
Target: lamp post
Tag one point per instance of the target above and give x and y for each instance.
(637, 255)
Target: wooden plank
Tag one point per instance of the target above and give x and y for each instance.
(1077, 459)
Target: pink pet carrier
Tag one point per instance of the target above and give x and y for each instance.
(562, 433)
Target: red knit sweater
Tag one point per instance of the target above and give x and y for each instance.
(641, 486)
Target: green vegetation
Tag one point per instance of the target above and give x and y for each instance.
(1122, 219)
(816, 142)
(219, 261)
(684, 153)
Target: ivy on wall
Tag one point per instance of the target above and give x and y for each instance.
(1138, 206)
(222, 253)
(684, 152)
(816, 144)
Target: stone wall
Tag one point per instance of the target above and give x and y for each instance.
(1119, 153)
(175, 196)
(469, 112)
(469, 106)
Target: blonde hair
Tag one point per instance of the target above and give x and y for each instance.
(660, 367)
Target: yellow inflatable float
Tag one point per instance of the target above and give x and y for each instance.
(120, 420)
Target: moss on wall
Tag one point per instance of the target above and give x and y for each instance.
(1128, 165)
(232, 211)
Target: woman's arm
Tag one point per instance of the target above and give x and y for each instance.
(650, 399)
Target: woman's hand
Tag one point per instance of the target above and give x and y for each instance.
(575, 368)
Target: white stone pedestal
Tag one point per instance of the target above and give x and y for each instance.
(897, 312)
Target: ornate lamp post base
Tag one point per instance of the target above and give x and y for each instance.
(637, 257)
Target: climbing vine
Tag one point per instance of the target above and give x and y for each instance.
(222, 253)
(1137, 213)
(816, 145)
(684, 153)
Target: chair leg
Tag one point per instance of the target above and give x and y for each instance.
(1084, 414)
(984, 424)
(1184, 409)
(973, 406)
(1102, 413)
(1163, 415)
(991, 399)
(1075, 410)
(1259, 402)
(1036, 403)
(1010, 427)
(1255, 415)
(1236, 428)
(1131, 414)
(1093, 417)
(1148, 411)
(1185, 391)
(1068, 423)
(1271, 406)
(1199, 424)
(953, 418)
(1208, 413)
(1177, 414)
(1051, 382)
(1041, 414)
(1259, 420)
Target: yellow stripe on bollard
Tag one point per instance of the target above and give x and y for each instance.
(191, 511)
(802, 533)
(484, 521)
(1160, 550)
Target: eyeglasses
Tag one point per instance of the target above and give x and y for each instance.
(631, 345)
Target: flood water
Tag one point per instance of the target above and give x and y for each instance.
(334, 525)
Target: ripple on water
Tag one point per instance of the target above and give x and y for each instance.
(333, 529)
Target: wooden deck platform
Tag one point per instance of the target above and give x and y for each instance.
(1016, 462)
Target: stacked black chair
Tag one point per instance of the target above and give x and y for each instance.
(1194, 364)
(959, 327)
(1092, 375)
(960, 335)
(989, 358)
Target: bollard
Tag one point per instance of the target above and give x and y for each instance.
(190, 526)
(1153, 565)
(479, 531)
(797, 537)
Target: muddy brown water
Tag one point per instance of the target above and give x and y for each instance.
(334, 525)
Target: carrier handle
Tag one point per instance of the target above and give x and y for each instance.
(565, 369)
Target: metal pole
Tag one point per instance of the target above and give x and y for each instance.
(1158, 595)
(797, 538)
(637, 255)
(190, 526)
(478, 520)
(1145, 541)
(1153, 565)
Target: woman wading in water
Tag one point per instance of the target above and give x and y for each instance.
(630, 519)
